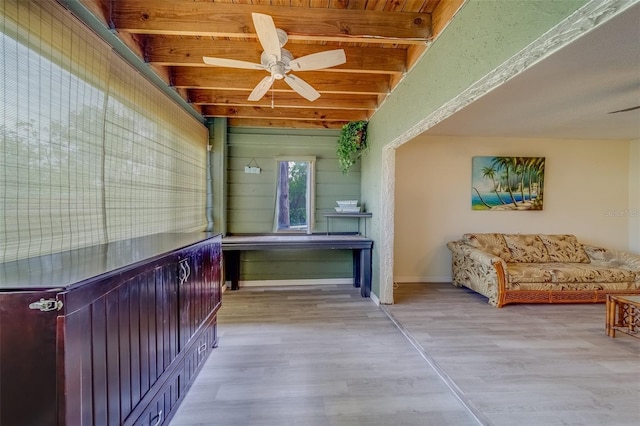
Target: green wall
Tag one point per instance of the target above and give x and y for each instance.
(483, 35)
(250, 199)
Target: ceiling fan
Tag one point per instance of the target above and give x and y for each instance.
(279, 62)
(625, 110)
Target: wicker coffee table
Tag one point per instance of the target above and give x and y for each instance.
(623, 314)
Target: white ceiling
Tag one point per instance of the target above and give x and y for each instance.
(567, 95)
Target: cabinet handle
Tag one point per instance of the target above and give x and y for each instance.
(185, 271)
(182, 273)
(47, 305)
(188, 267)
(159, 417)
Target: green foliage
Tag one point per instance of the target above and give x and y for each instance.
(351, 143)
(298, 193)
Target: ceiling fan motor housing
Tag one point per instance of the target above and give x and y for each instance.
(277, 68)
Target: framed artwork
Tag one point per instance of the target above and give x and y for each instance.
(507, 183)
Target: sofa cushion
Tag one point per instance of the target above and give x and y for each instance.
(564, 248)
(563, 273)
(590, 273)
(526, 248)
(528, 273)
(590, 287)
(491, 243)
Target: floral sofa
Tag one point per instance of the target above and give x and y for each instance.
(541, 268)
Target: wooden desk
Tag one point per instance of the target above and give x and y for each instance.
(361, 247)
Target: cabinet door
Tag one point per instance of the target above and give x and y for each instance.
(27, 360)
(118, 344)
(189, 270)
(199, 281)
(212, 277)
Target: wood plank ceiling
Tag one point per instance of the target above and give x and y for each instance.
(382, 40)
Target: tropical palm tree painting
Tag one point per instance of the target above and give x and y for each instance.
(507, 183)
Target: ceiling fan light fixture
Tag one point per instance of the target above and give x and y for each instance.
(278, 71)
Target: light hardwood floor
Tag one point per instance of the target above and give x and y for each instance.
(526, 364)
(439, 356)
(314, 356)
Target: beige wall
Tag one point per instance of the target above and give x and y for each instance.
(634, 196)
(587, 192)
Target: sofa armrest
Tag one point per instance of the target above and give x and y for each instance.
(614, 258)
(476, 254)
(478, 270)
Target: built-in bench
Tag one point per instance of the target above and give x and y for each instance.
(361, 247)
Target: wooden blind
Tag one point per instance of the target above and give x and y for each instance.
(91, 151)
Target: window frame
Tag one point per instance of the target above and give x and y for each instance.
(310, 195)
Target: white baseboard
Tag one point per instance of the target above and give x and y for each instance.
(277, 283)
(374, 298)
(422, 279)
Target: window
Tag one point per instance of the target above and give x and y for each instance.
(294, 195)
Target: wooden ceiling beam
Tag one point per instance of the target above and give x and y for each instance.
(189, 51)
(246, 80)
(282, 99)
(186, 17)
(284, 113)
(279, 123)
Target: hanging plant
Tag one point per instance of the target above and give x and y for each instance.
(351, 143)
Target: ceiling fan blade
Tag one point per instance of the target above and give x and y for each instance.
(303, 88)
(320, 60)
(625, 110)
(267, 34)
(261, 88)
(232, 63)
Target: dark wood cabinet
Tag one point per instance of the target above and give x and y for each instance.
(120, 333)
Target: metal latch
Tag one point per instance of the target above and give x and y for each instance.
(47, 305)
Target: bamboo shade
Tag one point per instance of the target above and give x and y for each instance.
(91, 151)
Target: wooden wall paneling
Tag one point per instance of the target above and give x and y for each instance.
(251, 199)
(152, 304)
(112, 330)
(217, 279)
(78, 405)
(143, 312)
(183, 301)
(124, 346)
(200, 287)
(98, 348)
(134, 340)
(194, 288)
(174, 314)
(168, 321)
(160, 312)
(145, 334)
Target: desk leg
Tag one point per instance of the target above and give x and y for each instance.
(357, 268)
(365, 274)
(232, 267)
